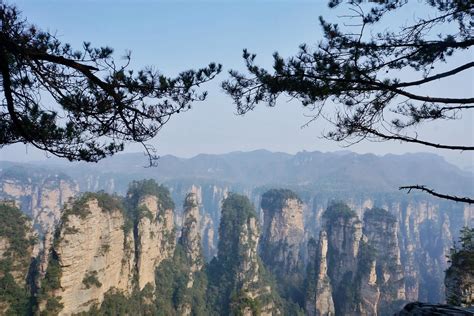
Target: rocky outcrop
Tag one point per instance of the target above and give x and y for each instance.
(40, 196)
(369, 292)
(190, 241)
(425, 232)
(106, 246)
(208, 237)
(236, 274)
(248, 274)
(357, 267)
(282, 246)
(190, 236)
(95, 254)
(209, 197)
(386, 271)
(426, 236)
(283, 231)
(205, 223)
(319, 299)
(344, 232)
(154, 238)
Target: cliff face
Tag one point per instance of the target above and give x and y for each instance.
(181, 279)
(105, 246)
(210, 198)
(209, 237)
(250, 284)
(283, 231)
(319, 299)
(367, 289)
(357, 266)
(154, 239)
(282, 242)
(40, 196)
(248, 273)
(425, 232)
(190, 241)
(95, 254)
(344, 232)
(237, 283)
(190, 236)
(386, 271)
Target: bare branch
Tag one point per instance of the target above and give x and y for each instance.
(434, 193)
(414, 140)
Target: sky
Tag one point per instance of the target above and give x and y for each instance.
(178, 35)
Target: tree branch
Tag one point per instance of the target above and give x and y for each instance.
(434, 193)
(414, 140)
(438, 76)
(412, 96)
(7, 90)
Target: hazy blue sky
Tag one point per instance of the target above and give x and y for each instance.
(178, 35)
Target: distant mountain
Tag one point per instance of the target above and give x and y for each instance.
(337, 171)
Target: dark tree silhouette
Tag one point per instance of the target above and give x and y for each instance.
(360, 74)
(81, 104)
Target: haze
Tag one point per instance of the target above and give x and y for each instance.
(175, 36)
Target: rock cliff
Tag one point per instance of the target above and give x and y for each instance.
(319, 293)
(210, 198)
(344, 233)
(190, 236)
(380, 229)
(238, 285)
(282, 241)
(106, 245)
(93, 252)
(154, 238)
(355, 269)
(190, 241)
(283, 231)
(425, 232)
(40, 195)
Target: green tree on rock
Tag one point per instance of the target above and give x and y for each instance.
(459, 280)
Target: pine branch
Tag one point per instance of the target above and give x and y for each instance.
(440, 195)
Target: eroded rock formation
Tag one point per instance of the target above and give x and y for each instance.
(380, 230)
(283, 231)
(236, 274)
(319, 299)
(357, 266)
(40, 196)
(154, 238)
(106, 246)
(94, 253)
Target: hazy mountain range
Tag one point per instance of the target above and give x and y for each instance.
(339, 171)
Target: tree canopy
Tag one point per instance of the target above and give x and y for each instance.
(82, 104)
(359, 71)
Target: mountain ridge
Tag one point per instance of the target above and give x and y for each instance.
(323, 170)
